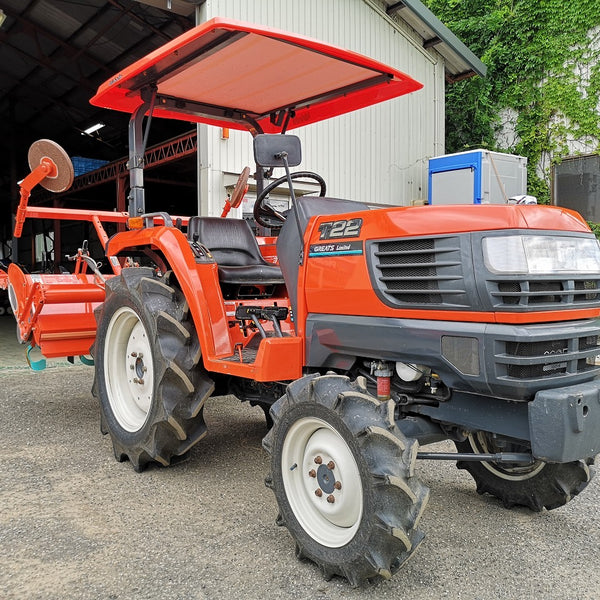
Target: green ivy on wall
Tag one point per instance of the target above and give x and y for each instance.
(595, 227)
(543, 81)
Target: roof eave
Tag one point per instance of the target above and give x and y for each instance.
(461, 62)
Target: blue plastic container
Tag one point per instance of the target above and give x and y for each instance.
(476, 177)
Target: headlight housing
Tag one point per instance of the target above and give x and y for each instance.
(541, 254)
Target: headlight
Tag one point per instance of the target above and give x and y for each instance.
(541, 254)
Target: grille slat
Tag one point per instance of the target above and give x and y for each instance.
(422, 291)
(403, 265)
(533, 294)
(418, 278)
(410, 252)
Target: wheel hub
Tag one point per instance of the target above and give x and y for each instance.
(139, 385)
(326, 479)
(139, 367)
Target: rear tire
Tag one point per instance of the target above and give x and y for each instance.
(536, 486)
(149, 379)
(343, 477)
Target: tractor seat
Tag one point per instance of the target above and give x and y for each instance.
(234, 248)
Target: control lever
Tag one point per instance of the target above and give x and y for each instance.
(275, 314)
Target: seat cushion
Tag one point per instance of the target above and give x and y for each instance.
(251, 274)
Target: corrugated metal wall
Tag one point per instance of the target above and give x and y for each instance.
(378, 154)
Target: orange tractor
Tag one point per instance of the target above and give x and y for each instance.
(373, 331)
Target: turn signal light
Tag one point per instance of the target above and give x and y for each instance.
(135, 222)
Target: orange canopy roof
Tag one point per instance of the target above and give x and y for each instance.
(233, 74)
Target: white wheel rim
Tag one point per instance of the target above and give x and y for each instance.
(310, 448)
(128, 369)
(480, 443)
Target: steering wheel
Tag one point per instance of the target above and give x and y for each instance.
(266, 215)
(241, 187)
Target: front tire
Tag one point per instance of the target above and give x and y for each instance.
(149, 379)
(536, 486)
(343, 477)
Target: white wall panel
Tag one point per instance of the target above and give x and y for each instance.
(378, 154)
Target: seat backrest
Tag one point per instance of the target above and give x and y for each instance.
(230, 241)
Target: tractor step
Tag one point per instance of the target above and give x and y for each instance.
(247, 354)
(272, 358)
(243, 355)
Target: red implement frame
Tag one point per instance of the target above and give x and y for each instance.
(55, 311)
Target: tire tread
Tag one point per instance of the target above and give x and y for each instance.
(176, 422)
(551, 487)
(398, 498)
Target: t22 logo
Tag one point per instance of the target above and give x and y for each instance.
(340, 229)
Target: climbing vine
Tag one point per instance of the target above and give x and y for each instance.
(595, 227)
(541, 96)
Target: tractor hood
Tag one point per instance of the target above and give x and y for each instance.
(233, 74)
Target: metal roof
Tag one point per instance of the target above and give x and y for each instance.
(460, 62)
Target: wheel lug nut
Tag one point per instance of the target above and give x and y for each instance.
(318, 492)
(318, 460)
(337, 485)
(330, 499)
(134, 354)
(331, 465)
(131, 367)
(136, 380)
(140, 355)
(312, 473)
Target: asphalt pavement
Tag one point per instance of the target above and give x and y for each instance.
(76, 524)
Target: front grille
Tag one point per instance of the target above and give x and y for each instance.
(541, 359)
(448, 272)
(418, 271)
(559, 293)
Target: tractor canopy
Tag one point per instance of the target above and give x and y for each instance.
(233, 74)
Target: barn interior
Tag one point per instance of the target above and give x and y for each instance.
(53, 56)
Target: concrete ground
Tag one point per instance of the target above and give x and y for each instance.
(75, 524)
